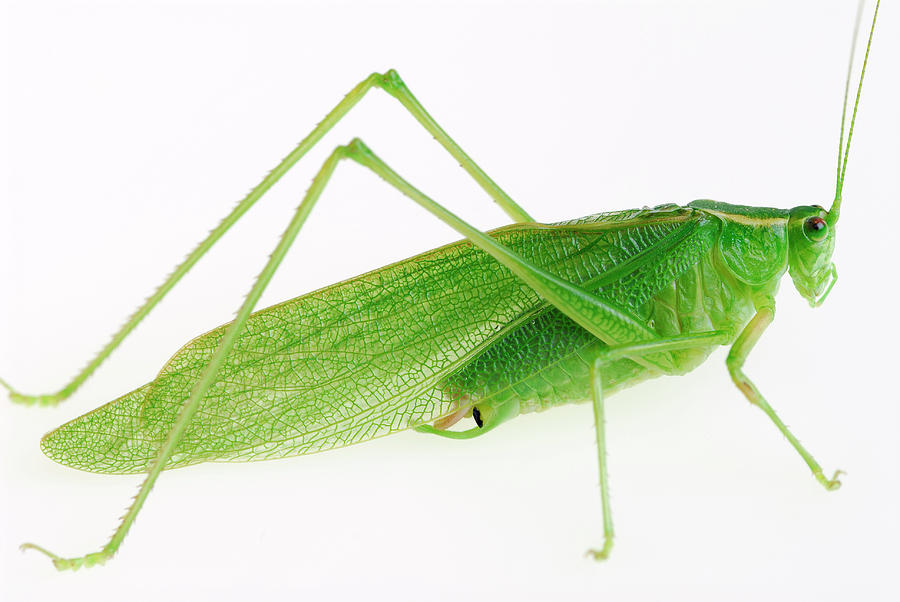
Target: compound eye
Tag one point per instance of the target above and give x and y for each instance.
(815, 229)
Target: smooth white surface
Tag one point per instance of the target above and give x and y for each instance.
(132, 127)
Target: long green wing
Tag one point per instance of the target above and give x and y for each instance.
(360, 359)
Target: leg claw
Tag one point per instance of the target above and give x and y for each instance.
(602, 553)
(69, 564)
(31, 400)
(833, 483)
(36, 400)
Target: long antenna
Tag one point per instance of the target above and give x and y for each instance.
(840, 153)
(835, 211)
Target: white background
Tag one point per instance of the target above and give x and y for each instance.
(131, 127)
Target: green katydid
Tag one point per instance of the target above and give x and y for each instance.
(520, 319)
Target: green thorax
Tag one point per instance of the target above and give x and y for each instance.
(753, 242)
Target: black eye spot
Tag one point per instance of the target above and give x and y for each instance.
(816, 229)
(477, 416)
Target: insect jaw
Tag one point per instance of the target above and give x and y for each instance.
(816, 302)
(814, 286)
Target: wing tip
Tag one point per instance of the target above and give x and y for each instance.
(104, 440)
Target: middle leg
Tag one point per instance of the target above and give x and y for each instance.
(610, 354)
